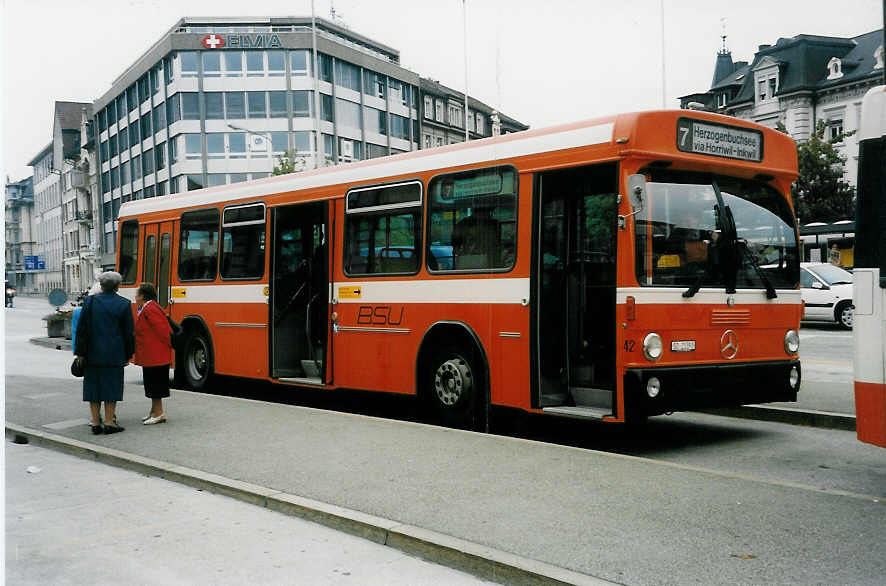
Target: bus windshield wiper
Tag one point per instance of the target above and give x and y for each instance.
(770, 290)
(724, 247)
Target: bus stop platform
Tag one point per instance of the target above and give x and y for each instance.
(506, 509)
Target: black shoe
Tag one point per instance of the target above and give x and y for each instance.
(96, 429)
(108, 429)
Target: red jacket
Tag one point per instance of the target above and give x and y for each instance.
(152, 331)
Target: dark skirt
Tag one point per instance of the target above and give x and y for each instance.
(156, 381)
(103, 383)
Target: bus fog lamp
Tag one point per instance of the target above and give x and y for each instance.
(794, 377)
(791, 342)
(652, 346)
(653, 387)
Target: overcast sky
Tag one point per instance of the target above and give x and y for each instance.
(542, 62)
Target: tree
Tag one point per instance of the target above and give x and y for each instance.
(820, 193)
(289, 162)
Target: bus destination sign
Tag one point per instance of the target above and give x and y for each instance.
(719, 140)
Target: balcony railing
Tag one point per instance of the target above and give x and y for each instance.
(83, 216)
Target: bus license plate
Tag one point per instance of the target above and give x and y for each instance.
(683, 346)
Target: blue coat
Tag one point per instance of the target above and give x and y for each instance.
(109, 340)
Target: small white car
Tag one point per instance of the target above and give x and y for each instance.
(827, 292)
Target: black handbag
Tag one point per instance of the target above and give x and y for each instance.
(78, 367)
(176, 336)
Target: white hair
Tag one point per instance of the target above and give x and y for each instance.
(109, 280)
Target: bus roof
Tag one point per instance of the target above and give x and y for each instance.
(598, 131)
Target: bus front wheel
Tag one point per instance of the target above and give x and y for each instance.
(197, 360)
(455, 388)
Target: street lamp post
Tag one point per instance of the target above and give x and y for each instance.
(265, 135)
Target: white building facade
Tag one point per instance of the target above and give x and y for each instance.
(799, 82)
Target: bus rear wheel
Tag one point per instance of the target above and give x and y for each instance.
(455, 388)
(197, 359)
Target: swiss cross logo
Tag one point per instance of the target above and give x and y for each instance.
(213, 41)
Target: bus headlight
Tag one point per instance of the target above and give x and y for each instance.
(791, 342)
(652, 347)
(653, 387)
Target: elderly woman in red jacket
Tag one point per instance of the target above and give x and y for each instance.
(153, 350)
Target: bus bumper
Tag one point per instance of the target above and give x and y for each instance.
(683, 388)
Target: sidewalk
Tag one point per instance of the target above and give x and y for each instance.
(505, 509)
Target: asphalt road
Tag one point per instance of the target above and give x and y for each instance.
(697, 493)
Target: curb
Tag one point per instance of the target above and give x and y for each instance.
(473, 558)
(54, 343)
(806, 417)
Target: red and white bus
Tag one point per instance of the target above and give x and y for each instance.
(869, 275)
(611, 269)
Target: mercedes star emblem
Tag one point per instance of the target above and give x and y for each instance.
(729, 344)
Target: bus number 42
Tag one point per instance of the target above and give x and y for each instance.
(629, 345)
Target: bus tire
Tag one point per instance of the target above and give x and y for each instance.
(455, 387)
(843, 314)
(197, 361)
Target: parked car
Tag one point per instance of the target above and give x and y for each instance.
(10, 294)
(827, 292)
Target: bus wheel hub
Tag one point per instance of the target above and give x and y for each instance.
(452, 381)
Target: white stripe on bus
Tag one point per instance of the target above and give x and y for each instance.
(490, 150)
(484, 290)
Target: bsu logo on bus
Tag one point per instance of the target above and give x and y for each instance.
(380, 315)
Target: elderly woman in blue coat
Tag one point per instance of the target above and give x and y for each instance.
(105, 340)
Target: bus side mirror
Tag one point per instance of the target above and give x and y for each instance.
(637, 191)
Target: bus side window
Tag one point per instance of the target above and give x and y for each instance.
(128, 252)
(472, 220)
(198, 245)
(383, 229)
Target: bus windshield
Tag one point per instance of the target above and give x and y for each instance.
(683, 239)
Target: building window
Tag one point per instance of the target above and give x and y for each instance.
(112, 146)
(302, 141)
(835, 130)
(214, 179)
(215, 109)
(279, 141)
(173, 150)
(762, 90)
(439, 110)
(233, 64)
(194, 182)
(277, 104)
(190, 106)
(211, 64)
(123, 135)
(147, 162)
(173, 109)
(257, 105)
(215, 145)
(132, 97)
(721, 100)
(136, 167)
(238, 177)
(347, 75)
(835, 70)
(455, 116)
(429, 107)
(374, 151)
(299, 63)
(374, 121)
(878, 58)
(146, 125)
(326, 111)
(235, 105)
(160, 156)
(237, 145)
(301, 104)
(325, 67)
(773, 86)
(373, 84)
(399, 127)
(276, 63)
(255, 63)
(193, 146)
(428, 141)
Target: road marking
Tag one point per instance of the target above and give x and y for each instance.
(66, 424)
(42, 396)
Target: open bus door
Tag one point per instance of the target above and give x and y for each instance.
(576, 211)
(299, 292)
